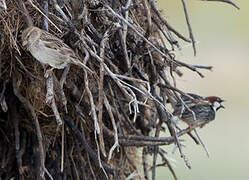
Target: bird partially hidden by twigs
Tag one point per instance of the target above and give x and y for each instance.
(200, 110)
(50, 50)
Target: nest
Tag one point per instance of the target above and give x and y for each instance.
(77, 125)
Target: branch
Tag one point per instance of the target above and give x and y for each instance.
(225, 1)
(79, 136)
(191, 35)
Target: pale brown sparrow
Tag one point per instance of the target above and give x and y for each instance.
(48, 49)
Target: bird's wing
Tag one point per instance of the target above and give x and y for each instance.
(202, 112)
(195, 96)
(197, 103)
(192, 102)
(52, 42)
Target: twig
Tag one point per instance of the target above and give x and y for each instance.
(191, 35)
(148, 14)
(167, 162)
(101, 93)
(202, 143)
(44, 14)
(31, 2)
(142, 143)
(135, 30)
(116, 144)
(30, 75)
(15, 120)
(73, 162)
(145, 164)
(28, 19)
(45, 20)
(89, 150)
(194, 67)
(49, 175)
(62, 82)
(94, 114)
(170, 38)
(156, 148)
(62, 146)
(58, 8)
(20, 153)
(164, 21)
(79, 112)
(29, 108)
(190, 135)
(126, 120)
(225, 1)
(50, 97)
(124, 35)
(2, 97)
(93, 108)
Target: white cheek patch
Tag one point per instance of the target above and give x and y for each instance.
(216, 105)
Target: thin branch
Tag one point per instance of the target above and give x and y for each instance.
(30, 108)
(50, 100)
(167, 162)
(89, 150)
(191, 35)
(116, 144)
(2, 97)
(167, 26)
(225, 1)
(135, 30)
(145, 164)
(194, 67)
(101, 93)
(202, 143)
(27, 18)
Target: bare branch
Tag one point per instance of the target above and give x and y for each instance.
(225, 1)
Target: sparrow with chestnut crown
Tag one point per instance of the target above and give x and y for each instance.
(204, 108)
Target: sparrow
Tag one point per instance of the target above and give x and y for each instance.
(3, 5)
(204, 109)
(48, 49)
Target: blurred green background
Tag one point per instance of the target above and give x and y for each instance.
(223, 35)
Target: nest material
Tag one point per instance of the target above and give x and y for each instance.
(107, 116)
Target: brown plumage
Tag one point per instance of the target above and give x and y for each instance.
(204, 108)
(48, 49)
(3, 5)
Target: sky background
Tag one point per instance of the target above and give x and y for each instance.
(223, 35)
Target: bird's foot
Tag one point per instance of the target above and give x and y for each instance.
(191, 128)
(48, 72)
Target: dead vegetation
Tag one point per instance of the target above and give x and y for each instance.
(76, 125)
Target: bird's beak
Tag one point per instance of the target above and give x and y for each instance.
(24, 44)
(222, 100)
(221, 106)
